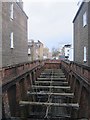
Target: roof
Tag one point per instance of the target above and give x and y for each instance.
(68, 45)
(22, 9)
(78, 11)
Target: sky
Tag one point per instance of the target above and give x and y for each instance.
(50, 21)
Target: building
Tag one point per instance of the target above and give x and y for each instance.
(82, 34)
(0, 35)
(71, 54)
(46, 53)
(35, 50)
(14, 33)
(50, 55)
(55, 53)
(31, 50)
(39, 50)
(67, 52)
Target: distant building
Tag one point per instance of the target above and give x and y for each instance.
(39, 49)
(46, 54)
(82, 34)
(50, 55)
(31, 50)
(35, 50)
(55, 53)
(14, 33)
(67, 52)
(71, 54)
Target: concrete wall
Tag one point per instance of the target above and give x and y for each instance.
(81, 35)
(19, 28)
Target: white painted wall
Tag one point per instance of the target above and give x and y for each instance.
(69, 53)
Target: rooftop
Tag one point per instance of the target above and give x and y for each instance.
(78, 11)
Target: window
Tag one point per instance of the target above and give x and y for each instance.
(85, 19)
(29, 51)
(11, 39)
(85, 59)
(11, 11)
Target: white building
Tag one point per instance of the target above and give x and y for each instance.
(67, 52)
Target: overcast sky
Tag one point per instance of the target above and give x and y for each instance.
(50, 21)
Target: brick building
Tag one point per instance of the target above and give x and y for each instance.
(14, 33)
(82, 34)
